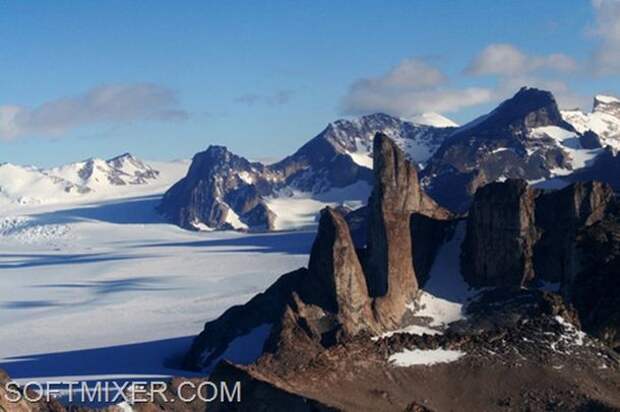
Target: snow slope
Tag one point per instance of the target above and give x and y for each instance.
(299, 210)
(433, 119)
(106, 289)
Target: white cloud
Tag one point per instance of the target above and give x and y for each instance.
(410, 88)
(112, 104)
(410, 73)
(606, 57)
(507, 60)
(278, 98)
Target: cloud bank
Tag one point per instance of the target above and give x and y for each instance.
(413, 86)
(507, 60)
(107, 104)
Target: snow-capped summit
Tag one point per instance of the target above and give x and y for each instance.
(433, 119)
(88, 179)
(607, 104)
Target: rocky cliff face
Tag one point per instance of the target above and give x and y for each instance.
(310, 308)
(501, 234)
(516, 233)
(525, 137)
(593, 290)
(560, 215)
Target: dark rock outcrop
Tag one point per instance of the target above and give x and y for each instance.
(340, 285)
(559, 216)
(334, 300)
(590, 140)
(317, 353)
(499, 245)
(594, 289)
(427, 236)
(24, 404)
(261, 394)
(516, 233)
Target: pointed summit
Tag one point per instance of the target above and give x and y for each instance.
(528, 108)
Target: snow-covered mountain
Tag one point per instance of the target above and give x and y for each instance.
(223, 190)
(604, 120)
(88, 179)
(100, 175)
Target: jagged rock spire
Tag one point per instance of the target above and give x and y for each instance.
(338, 274)
(396, 195)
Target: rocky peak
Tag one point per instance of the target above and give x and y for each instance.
(217, 159)
(220, 190)
(527, 109)
(336, 275)
(122, 157)
(607, 104)
(521, 139)
(338, 296)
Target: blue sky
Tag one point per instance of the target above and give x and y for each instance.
(164, 80)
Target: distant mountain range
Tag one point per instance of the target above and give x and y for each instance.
(526, 136)
(28, 185)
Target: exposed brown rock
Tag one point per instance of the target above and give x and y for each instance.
(396, 195)
(338, 276)
(499, 244)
